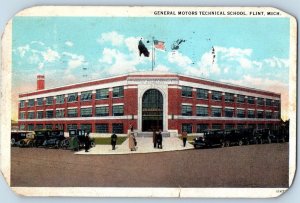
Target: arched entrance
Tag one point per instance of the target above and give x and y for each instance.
(152, 110)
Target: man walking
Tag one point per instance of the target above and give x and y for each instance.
(184, 137)
(113, 138)
(87, 142)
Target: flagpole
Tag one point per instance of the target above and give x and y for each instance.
(152, 53)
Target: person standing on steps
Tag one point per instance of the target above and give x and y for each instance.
(131, 140)
(184, 137)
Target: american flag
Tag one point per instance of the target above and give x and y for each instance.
(159, 44)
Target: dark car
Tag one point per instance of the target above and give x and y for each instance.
(249, 135)
(76, 140)
(16, 136)
(234, 137)
(55, 138)
(263, 135)
(210, 138)
(278, 135)
(40, 137)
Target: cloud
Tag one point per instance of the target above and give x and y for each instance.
(277, 62)
(113, 37)
(69, 43)
(50, 55)
(161, 68)
(74, 61)
(23, 49)
(179, 59)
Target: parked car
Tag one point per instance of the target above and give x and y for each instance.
(250, 136)
(40, 137)
(210, 138)
(76, 140)
(234, 137)
(279, 135)
(28, 141)
(55, 138)
(16, 136)
(263, 135)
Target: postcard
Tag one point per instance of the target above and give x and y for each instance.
(116, 101)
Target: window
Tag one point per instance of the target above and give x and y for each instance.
(39, 114)
(260, 114)
(49, 113)
(229, 126)
(268, 102)
(251, 114)
(202, 111)
(241, 126)
(49, 100)
(216, 112)
(117, 128)
(240, 113)
(217, 96)
(72, 126)
(202, 94)
(60, 99)
(276, 103)
(251, 100)
(30, 102)
(268, 114)
(22, 127)
(276, 115)
(30, 127)
(39, 126)
(22, 103)
(216, 126)
(30, 115)
(101, 128)
(260, 101)
(102, 93)
(241, 98)
(186, 110)
(72, 97)
(229, 97)
(118, 110)
(39, 101)
(86, 112)
(186, 91)
(102, 111)
(22, 115)
(72, 112)
(59, 126)
(260, 126)
(228, 112)
(60, 113)
(86, 127)
(86, 96)
(118, 91)
(187, 127)
(201, 128)
(49, 126)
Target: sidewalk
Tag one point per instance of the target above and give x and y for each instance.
(144, 145)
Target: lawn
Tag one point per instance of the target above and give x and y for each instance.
(106, 140)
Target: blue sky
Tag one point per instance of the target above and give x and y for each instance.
(249, 51)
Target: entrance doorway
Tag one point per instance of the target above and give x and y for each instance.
(152, 110)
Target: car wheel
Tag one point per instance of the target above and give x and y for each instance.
(57, 144)
(247, 142)
(13, 141)
(222, 144)
(240, 143)
(227, 143)
(93, 144)
(30, 144)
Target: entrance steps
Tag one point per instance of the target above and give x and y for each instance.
(150, 134)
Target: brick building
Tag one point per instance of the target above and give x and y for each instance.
(146, 100)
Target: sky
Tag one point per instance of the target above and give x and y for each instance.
(252, 52)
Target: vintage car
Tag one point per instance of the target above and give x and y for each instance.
(76, 140)
(263, 135)
(28, 141)
(16, 136)
(210, 138)
(40, 137)
(279, 135)
(234, 137)
(54, 139)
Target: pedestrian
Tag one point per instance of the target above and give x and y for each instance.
(131, 140)
(154, 138)
(159, 140)
(184, 137)
(87, 142)
(113, 141)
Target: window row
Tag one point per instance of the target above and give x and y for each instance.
(73, 97)
(186, 110)
(99, 127)
(229, 97)
(200, 128)
(117, 110)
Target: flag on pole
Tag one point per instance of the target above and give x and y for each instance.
(159, 44)
(143, 49)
